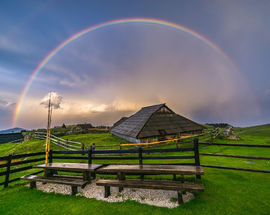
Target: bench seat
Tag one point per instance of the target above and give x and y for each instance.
(152, 184)
(74, 181)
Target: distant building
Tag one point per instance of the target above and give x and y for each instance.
(155, 123)
(83, 127)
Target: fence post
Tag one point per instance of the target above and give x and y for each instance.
(196, 154)
(141, 160)
(50, 156)
(177, 141)
(140, 156)
(211, 138)
(90, 155)
(120, 148)
(8, 170)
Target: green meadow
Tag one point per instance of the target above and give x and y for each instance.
(226, 191)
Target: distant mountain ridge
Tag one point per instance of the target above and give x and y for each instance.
(219, 125)
(12, 130)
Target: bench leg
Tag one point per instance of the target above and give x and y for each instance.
(84, 185)
(182, 178)
(74, 190)
(183, 181)
(180, 198)
(174, 177)
(33, 184)
(121, 177)
(93, 175)
(87, 177)
(198, 176)
(120, 189)
(107, 191)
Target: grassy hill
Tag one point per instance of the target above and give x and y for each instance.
(35, 145)
(226, 191)
(249, 135)
(259, 134)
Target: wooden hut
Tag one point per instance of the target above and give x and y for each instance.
(155, 123)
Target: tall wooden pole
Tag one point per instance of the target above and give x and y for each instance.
(48, 136)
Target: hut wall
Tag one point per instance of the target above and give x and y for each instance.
(158, 138)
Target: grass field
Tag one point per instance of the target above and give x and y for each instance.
(226, 191)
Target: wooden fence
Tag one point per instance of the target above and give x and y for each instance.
(235, 156)
(65, 144)
(16, 160)
(138, 154)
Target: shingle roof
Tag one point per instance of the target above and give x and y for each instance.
(119, 121)
(149, 120)
(133, 125)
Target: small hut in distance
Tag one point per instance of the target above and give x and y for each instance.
(82, 127)
(155, 123)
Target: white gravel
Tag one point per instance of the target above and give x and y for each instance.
(159, 198)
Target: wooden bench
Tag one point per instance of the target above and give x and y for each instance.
(181, 188)
(88, 170)
(74, 181)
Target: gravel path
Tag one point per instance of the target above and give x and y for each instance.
(159, 198)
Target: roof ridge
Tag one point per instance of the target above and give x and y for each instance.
(154, 105)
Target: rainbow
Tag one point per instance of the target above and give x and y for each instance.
(103, 25)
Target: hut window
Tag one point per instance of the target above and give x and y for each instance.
(162, 132)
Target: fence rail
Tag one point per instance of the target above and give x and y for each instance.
(236, 156)
(235, 168)
(12, 161)
(235, 144)
(65, 144)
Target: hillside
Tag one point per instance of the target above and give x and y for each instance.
(12, 130)
(226, 191)
(250, 135)
(35, 145)
(259, 134)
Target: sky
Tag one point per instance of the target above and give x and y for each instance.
(220, 75)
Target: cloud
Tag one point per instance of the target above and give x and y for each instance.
(6, 104)
(104, 78)
(6, 111)
(53, 99)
